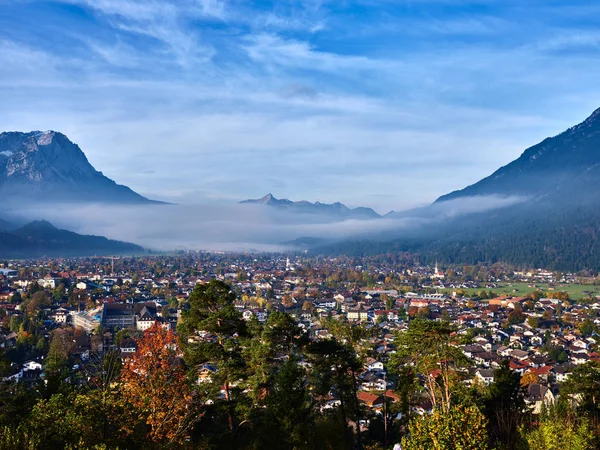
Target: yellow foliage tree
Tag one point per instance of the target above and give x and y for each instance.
(458, 428)
(529, 378)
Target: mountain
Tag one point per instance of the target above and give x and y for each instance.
(556, 168)
(5, 226)
(47, 166)
(552, 219)
(41, 238)
(334, 210)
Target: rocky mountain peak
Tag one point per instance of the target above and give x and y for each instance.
(46, 165)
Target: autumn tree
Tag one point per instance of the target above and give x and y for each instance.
(155, 385)
(528, 378)
(559, 428)
(457, 428)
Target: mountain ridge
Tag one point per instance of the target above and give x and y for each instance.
(336, 209)
(548, 168)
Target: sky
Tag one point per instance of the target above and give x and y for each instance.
(380, 103)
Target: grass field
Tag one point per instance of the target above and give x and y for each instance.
(575, 291)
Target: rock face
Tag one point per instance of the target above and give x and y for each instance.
(46, 165)
(335, 210)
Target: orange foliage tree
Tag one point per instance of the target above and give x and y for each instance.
(529, 378)
(155, 385)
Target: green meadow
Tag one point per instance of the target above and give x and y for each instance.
(575, 291)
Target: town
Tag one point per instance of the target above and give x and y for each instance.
(542, 325)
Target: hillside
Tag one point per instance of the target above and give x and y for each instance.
(41, 238)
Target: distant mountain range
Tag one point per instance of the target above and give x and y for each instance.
(41, 166)
(41, 238)
(552, 219)
(335, 210)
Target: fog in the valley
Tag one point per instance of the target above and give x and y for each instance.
(236, 227)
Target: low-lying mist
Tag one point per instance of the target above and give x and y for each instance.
(236, 227)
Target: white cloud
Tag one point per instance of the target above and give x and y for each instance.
(186, 96)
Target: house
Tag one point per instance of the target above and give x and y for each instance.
(580, 358)
(518, 367)
(88, 320)
(9, 273)
(145, 318)
(538, 395)
(205, 373)
(369, 399)
(48, 282)
(393, 396)
(542, 372)
(31, 365)
(15, 374)
(124, 315)
(562, 373)
(486, 376)
(326, 303)
(372, 382)
(128, 346)
(61, 316)
(374, 366)
(519, 355)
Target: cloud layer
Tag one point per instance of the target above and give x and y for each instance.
(222, 226)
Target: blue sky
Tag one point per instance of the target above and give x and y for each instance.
(381, 103)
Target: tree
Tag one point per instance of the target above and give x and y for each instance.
(33, 304)
(528, 378)
(16, 298)
(458, 428)
(308, 306)
(559, 429)
(335, 367)
(536, 295)
(287, 301)
(533, 322)
(504, 406)
(57, 362)
(287, 419)
(587, 327)
(211, 310)
(428, 346)
(583, 387)
(154, 383)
